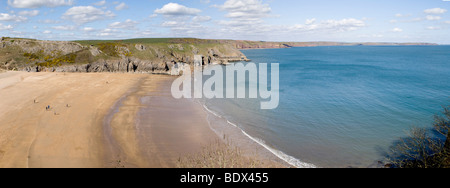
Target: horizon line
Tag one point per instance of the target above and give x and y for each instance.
(122, 39)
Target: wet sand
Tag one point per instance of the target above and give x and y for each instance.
(93, 121)
(152, 129)
(97, 120)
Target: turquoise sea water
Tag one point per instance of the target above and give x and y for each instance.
(344, 106)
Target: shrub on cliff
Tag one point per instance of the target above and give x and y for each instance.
(114, 49)
(42, 60)
(424, 148)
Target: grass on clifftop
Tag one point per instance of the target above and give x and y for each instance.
(128, 41)
(158, 48)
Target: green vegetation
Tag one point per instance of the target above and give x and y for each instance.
(84, 57)
(13, 38)
(156, 48)
(153, 41)
(54, 60)
(128, 41)
(24, 53)
(220, 155)
(424, 148)
(30, 56)
(109, 48)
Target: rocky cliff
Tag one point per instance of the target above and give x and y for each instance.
(136, 55)
(162, 56)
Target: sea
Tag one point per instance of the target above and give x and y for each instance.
(341, 106)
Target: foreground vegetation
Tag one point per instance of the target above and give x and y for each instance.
(424, 148)
(223, 155)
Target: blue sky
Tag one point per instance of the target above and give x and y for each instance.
(268, 20)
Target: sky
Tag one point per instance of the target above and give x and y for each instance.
(260, 20)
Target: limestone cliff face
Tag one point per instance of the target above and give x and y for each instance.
(131, 65)
(47, 47)
(162, 56)
(60, 56)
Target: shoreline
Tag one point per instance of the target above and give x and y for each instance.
(252, 146)
(142, 133)
(107, 120)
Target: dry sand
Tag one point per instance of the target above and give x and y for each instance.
(97, 120)
(68, 135)
(93, 121)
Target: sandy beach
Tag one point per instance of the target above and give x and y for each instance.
(151, 129)
(70, 133)
(97, 120)
(92, 121)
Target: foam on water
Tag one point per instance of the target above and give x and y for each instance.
(286, 158)
(340, 106)
(212, 112)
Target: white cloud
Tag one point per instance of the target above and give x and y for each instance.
(310, 21)
(64, 28)
(433, 28)
(402, 15)
(415, 20)
(170, 24)
(85, 14)
(435, 11)
(205, 1)
(5, 27)
(121, 6)
(108, 33)
(343, 25)
(201, 18)
(104, 34)
(431, 18)
(88, 29)
(100, 3)
(39, 3)
(245, 9)
(371, 36)
(397, 30)
(410, 20)
(49, 21)
(30, 13)
(128, 24)
(174, 9)
(393, 21)
(47, 32)
(11, 18)
(246, 19)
